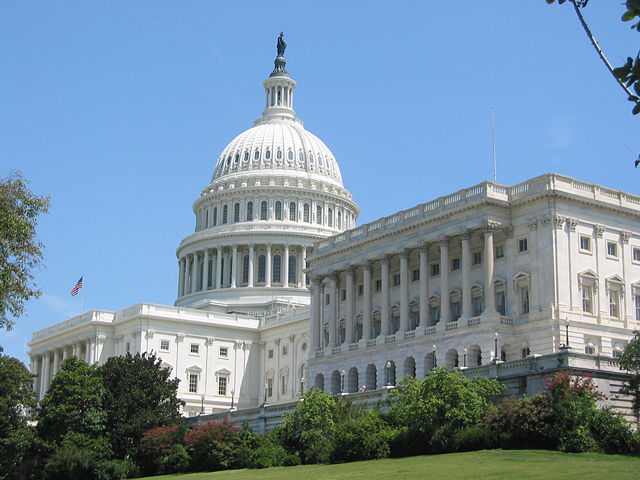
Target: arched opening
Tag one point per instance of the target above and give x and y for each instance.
(263, 210)
(410, 367)
(215, 216)
(236, 212)
(249, 211)
(371, 377)
(293, 264)
(508, 352)
(292, 211)
(319, 382)
(389, 373)
(330, 217)
(262, 261)
(305, 215)
(277, 269)
(474, 356)
(451, 359)
(429, 362)
(352, 380)
(335, 381)
(225, 214)
(278, 210)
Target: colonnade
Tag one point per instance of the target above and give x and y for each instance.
(232, 266)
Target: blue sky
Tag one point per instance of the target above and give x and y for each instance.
(119, 109)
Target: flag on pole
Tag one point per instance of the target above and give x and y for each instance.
(76, 288)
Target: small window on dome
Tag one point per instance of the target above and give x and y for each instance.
(311, 158)
(267, 154)
(228, 161)
(290, 155)
(237, 159)
(279, 155)
(246, 156)
(301, 157)
(257, 155)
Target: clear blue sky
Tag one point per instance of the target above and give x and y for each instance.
(119, 109)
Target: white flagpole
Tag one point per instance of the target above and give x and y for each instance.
(493, 144)
(81, 294)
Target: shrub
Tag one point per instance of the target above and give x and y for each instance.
(364, 436)
(263, 462)
(291, 461)
(70, 463)
(115, 470)
(576, 441)
(474, 438)
(612, 432)
(157, 445)
(269, 449)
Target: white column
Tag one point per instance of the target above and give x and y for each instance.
(510, 253)
(384, 324)
(467, 310)
(404, 291)
(444, 279)
(316, 304)
(285, 267)
(268, 267)
(331, 310)
(188, 283)
(366, 301)
(205, 275)
(44, 378)
(234, 265)
(197, 276)
(250, 284)
(56, 360)
(88, 356)
(489, 294)
(350, 304)
(218, 267)
(303, 266)
(424, 285)
(181, 277)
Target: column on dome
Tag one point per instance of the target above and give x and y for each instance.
(205, 275)
(188, 274)
(226, 264)
(424, 285)
(180, 277)
(234, 266)
(303, 266)
(467, 310)
(285, 266)
(404, 290)
(268, 266)
(250, 279)
(331, 309)
(316, 304)
(197, 271)
(444, 279)
(218, 268)
(385, 307)
(366, 301)
(489, 295)
(350, 306)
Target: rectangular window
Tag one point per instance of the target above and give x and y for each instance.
(164, 345)
(614, 303)
(617, 353)
(435, 269)
(269, 387)
(396, 280)
(434, 315)
(522, 245)
(128, 347)
(283, 385)
(455, 311)
(285, 349)
(478, 306)
(415, 275)
(587, 298)
(224, 352)
(193, 383)
(589, 350)
(525, 352)
(524, 300)
(585, 243)
(455, 264)
(612, 249)
(270, 353)
(327, 299)
(499, 251)
(360, 290)
(636, 255)
(195, 348)
(477, 257)
(222, 385)
(343, 294)
(501, 303)
(378, 285)
(637, 304)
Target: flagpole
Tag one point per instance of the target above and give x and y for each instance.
(81, 294)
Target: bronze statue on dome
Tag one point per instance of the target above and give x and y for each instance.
(281, 45)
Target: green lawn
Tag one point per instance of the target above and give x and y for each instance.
(488, 464)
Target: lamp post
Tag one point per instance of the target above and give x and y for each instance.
(464, 357)
(302, 386)
(202, 404)
(495, 346)
(435, 360)
(233, 393)
(387, 367)
(342, 375)
(266, 386)
(566, 345)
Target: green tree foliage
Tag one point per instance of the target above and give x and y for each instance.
(139, 396)
(630, 361)
(74, 403)
(20, 251)
(16, 398)
(432, 411)
(161, 450)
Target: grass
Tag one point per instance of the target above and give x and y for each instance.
(486, 464)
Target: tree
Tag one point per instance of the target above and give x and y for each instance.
(630, 361)
(139, 396)
(20, 251)
(627, 75)
(16, 399)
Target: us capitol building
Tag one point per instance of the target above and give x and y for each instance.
(279, 290)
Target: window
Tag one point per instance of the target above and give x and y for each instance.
(222, 385)
(499, 251)
(263, 210)
(636, 255)
(289, 155)
(524, 300)
(215, 216)
(245, 269)
(343, 295)
(164, 345)
(285, 350)
(396, 280)
(477, 257)
(361, 290)
(612, 249)
(525, 352)
(617, 353)
(269, 387)
(225, 211)
(292, 212)
(256, 155)
(478, 306)
(330, 217)
(270, 353)
(277, 269)
(305, 214)
(614, 303)
(128, 347)
(319, 215)
(327, 298)
(193, 383)
(279, 154)
(224, 352)
(637, 304)
(435, 269)
(522, 245)
(587, 298)
(283, 384)
(339, 220)
(589, 350)
(236, 212)
(249, 211)
(501, 303)
(267, 154)
(585, 244)
(195, 348)
(415, 275)
(278, 210)
(434, 314)
(455, 263)
(293, 269)
(261, 268)
(378, 285)
(455, 310)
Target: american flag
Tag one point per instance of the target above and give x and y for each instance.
(76, 288)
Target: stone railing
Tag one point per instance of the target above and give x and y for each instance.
(98, 316)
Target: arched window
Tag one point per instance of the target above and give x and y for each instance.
(293, 263)
(249, 211)
(301, 157)
(257, 155)
(246, 156)
(262, 261)
(245, 269)
(236, 212)
(279, 154)
(339, 219)
(277, 278)
(237, 159)
(215, 216)
(224, 214)
(263, 210)
(290, 155)
(267, 154)
(206, 221)
(292, 212)
(319, 215)
(306, 213)
(330, 217)
(278, 210)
